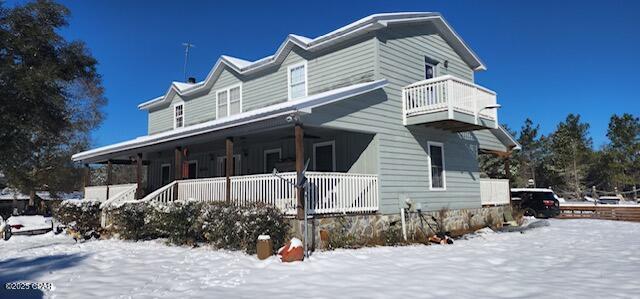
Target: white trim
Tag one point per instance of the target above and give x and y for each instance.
(306, 79)
(303, 105)
(353, 30)
(270, 151)
(173, 113)
(333, 153)
(193, 162)
(228, 91)
(444, 171)
(162, 166)
(433, 66)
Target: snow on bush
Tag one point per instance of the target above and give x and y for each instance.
(82, 216)
(223, 225)
(234, 227)
(178, 222)
(134, 221)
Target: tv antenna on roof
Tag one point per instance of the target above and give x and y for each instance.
(187, 46)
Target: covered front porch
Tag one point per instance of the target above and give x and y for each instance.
(267, 159)
(236, 158)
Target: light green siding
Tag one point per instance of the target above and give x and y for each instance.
(352, 63)
(404, 49)
(488, 141)
(402, 151)
(160, 119)
(383, 145)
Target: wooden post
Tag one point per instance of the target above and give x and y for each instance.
(178, 170)
(108, 182)
(85, 179)
(229, 167)
(299, 135)
(507, 170)
(139, 176)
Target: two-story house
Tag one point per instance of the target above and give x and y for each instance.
(384, 109)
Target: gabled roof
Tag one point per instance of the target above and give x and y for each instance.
(303, 105)
(368, 24)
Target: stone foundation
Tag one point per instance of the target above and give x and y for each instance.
(371, 226)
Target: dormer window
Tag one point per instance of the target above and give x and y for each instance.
(178, 115)
(229, 101)
(297, 80)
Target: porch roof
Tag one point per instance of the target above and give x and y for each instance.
(302, 105)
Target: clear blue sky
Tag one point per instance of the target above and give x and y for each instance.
(545, 58)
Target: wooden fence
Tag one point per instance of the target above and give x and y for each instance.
(607, 212)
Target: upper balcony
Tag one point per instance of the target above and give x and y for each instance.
(449, 103)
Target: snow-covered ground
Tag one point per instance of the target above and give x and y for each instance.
(569, 258)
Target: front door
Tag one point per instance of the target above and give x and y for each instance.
(192, 170)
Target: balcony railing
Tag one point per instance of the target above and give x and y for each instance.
(329, 192)
(450, 94)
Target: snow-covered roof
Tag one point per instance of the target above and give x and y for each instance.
(531, 190)
(10, 194)
(368, 24)
(237, 61)
(304, 105)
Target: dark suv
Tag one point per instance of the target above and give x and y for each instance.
(536, 202)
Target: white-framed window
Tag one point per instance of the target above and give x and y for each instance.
(437, 173)
(297, 80)
(222, 165)
(429, 70)
(229, 101)
(165, 174)
(178, 115)
(271, 157)
(324, 156)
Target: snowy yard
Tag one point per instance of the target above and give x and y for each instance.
(570, 258)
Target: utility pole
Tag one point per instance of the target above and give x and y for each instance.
(187, 46)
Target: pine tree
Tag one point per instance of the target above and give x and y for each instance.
(571, 153)
(624, 150)
(50, 97)
(529, 157)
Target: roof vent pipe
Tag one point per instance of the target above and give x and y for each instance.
(191, 80)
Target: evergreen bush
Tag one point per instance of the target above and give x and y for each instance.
(232, 227)
(134, 221)
(83, 216)
(223, 225)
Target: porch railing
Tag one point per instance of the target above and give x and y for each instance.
(329, 193)
(494, 191)
(448, 93)
(100, 192)
(124, 193)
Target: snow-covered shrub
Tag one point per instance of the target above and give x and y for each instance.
(134, 221)
(83, 216)
(228, 226)
(179, 221)
(260, 219)
(221, 225)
